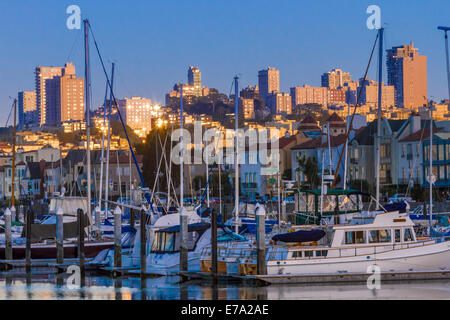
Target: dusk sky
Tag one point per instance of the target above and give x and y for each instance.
(154, 42)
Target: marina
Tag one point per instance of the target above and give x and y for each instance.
(337, 192)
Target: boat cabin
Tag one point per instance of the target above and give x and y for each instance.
(336, 203)
(167, 240)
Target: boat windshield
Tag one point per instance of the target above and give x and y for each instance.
(169, 241)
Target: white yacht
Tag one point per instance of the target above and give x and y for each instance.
(387, 240)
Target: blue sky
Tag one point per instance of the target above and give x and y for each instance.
(154, 42)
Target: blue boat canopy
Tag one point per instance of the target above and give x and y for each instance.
(300, 236)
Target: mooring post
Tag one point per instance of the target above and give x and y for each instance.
(81, 234)
(143, 234)
(8, 235)
(132, 217)
(283, 213)
(20, 215)
(29, 221)
(261, 239)
(59, 236)
(117, 237)
(14, 213)
(214, 245)
(97, 217)
(184, 240)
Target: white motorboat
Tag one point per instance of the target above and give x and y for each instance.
(388, 241)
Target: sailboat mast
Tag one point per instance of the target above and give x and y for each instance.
(13, 195)
(88, 111)
(182, 152)
(108, 143)
(346, 149)
(378, 138)
(431, 163)
(236, 155)
(102, 157)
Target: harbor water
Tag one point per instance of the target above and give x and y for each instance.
(47, 285)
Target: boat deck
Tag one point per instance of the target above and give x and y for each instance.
(319, 278)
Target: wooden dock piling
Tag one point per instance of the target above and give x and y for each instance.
(117, 237)
(261, 240)
(214, 245)
(59, 236)
(29, 221)
(81, 234)
(8, 235)
(143, 234)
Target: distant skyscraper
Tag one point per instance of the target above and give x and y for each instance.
(269, 82)
(407, 72)
(27, 110)
(280, 103)
(195, 80)
(137, 113)
(369, 95)
(43, 74)
(59, 95)
(335, 79)
(247, 107)
(63, 95)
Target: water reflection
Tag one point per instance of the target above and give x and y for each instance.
(45, 284)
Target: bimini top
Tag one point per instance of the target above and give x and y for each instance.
(191, 228)
(300, 236)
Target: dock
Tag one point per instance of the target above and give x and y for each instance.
(264, 280)
(6, 265)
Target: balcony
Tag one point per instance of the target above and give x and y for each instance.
(249, 186)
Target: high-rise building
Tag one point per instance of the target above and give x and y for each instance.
(137, 113)
(195, 80)
(307, 94)
(369, 95)
(280, 103)
(407, 72)
(247, 107)
(269, 82)
(43, 74)
(335, 79)
(27, 110)
(71, 98)
(59, 95)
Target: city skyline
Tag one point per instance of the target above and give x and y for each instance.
(142, 71)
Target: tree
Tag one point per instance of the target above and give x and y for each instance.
(310, 168)
(150, 162)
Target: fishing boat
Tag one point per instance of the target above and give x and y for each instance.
(389, 242)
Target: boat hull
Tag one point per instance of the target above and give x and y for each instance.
(435, 257)
(48, 251)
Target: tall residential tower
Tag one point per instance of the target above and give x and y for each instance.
(407, 72)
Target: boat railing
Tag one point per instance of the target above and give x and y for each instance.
(319, 252)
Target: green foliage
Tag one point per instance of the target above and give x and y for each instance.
(310, 169)
(150, 162)
(418, 193)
